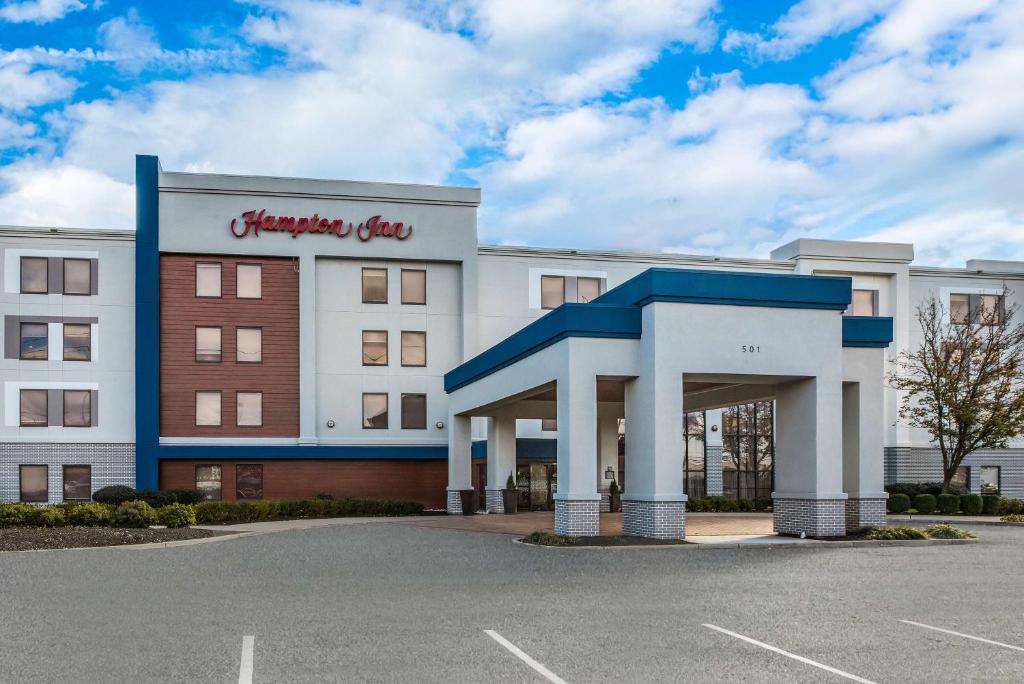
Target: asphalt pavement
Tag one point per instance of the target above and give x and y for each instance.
(398, 603)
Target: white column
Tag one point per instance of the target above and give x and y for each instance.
(577, 501)
(809, 495)
(307, 350)
(460, 476)
(501, 459)
(608, 454)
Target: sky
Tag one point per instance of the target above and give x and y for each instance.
(696, 126)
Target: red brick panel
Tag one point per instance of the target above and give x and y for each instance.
(422, 481)
(181, 376)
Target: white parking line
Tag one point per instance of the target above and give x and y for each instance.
(245, 669)
(518, 653)
(965, 636)
(806, 661)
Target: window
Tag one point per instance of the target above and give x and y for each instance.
(77, 482)
(990, 479)
(959, 309)
(35, 278)
(414, 411)
(207, 279)
(990, 309)
(208, 482)
(34, 483)
(962, 478)
(77, 277)
(548, 424)
(208, 345)
(249, 411)
(34, 408)
(865, 303)
(375, 286)
(587, 289)
(249, 345)
(748, 450)
(34, 342)
(375, 411)
(414, 286)
(77, 408)
(248, 481)
(77, 341)
(208, 408)
(249, 281)
(552, 292)
(414, 348)
(375, 347)
(693, 461)
(979, 309)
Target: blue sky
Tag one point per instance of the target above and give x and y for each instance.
(698, 126)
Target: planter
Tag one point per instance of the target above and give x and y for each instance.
(614, 503)
(510, 500)
(468, 499)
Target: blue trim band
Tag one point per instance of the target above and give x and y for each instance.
(867, 331)
(527, 449)
(147, 321)
(568, 320)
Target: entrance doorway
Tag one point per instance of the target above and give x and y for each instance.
(748, 450)
(537, 484)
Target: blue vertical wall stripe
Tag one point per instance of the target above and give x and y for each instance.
(147, 320)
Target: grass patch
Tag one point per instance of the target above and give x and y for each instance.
(946, 531)
(903, 533)
(1013, 517)
(550, 539)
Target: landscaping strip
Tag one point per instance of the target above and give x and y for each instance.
(41, 538)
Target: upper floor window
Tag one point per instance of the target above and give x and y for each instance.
(208, 279)
(552, 291)
(587, 289)
(548, 424)
(414, 286)
(375, 411)
(249, 281)
(77, 342)
(983, 309)
(375, 286)
(414, 411)
(375, 347)
(249, 345)
(249, 409)
(208, 409)
(34, 275)
(34, 342)
(208, 341)
(34, 409)
(414, 348)
(77, 277)
(864, 303)
(77, 408)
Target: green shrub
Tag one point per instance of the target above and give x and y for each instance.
(695, 504)
(51, 516)
(166, 497)
(762, 503)
(1013, 517)
(899, 503)
(912, 489)
(990, 504)
(549, 539)
(894, 533)
(745, 505)
(725, 505)
(1011, 507)
(971, 504)
(924, 503)
(133, 514)
(176, 515)
(221, 512)
(88, 515)
(948, 504)
(947, 531)
(115, 495)
(13, 514)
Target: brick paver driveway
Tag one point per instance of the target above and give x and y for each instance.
(697, 524)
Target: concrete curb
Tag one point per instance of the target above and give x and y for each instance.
(147, 545)
(819, 543)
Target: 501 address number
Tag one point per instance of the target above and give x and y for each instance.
(751, 349)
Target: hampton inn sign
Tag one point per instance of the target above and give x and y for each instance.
(253, 222)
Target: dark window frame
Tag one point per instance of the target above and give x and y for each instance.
(403, 420)
(248, 391)
(64, 480)
(248, 263)
(220, 488)
(64, 274)
(64, 351)
(21, 479)
(21, 415)
(387, 410)
(401, 280)
(21, 274)
(248, 327)
(974, 308)
(220, 272)
(195, 345)
(999, 479)
(195, 408)
(63, 411)
(387, 348)
(362, 284)
(402, 348)
(21, 341)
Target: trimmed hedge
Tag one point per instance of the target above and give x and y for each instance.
(912, 489)
(899, 503)
(948, 504)
(1011, 507)
(14, 514)
(990, 504)
(115, 495)
(970, 504)
(721, 504)
(1013, 517)
(176, 515)
(49, 517)
(133, 514)
(214, 512)
(88, 515)
(924, 503)
(119, 494)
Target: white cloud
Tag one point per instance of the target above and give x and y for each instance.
(22, 86)
(65, 195)
(38, 11)
(950, 239)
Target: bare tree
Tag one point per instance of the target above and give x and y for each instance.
(964, 383)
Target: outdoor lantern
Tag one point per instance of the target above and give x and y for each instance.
(609, 474)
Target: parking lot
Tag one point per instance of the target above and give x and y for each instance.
(393, 602)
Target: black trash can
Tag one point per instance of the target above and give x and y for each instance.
(468, 499)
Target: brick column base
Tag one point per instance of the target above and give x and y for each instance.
(813, 517)
(454, 502)
(862, 513)
(495, 502)
(606, 501)
(577, 518)
(658, 519)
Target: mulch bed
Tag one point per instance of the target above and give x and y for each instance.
(30, 538)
